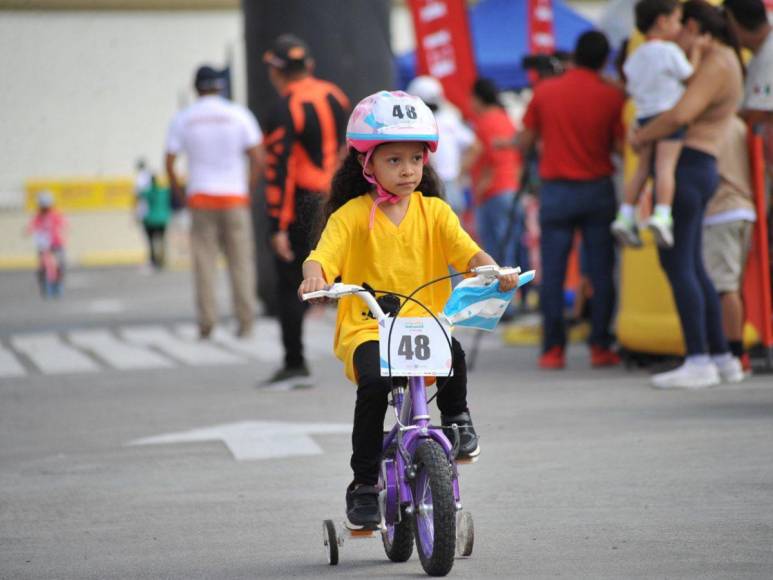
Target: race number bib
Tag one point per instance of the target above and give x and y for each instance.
(418, 347)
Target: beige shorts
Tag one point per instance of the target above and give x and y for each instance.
(725, 249)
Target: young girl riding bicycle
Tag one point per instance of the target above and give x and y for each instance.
(386, 225)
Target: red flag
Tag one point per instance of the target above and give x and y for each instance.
(757, 299)
(444, 48)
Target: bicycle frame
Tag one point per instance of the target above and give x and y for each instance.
(412, 426)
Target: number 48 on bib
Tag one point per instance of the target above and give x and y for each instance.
(418, 347)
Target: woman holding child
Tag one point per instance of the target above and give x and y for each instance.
(706, 108)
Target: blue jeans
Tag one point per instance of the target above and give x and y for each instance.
(499, 227)
(564, 207)
(696, 299)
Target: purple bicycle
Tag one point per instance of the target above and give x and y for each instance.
(419, 482)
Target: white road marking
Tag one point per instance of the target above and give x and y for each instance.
(251, 440)
(118, 353)
(51, 355)
(9, 365)
(264, 345)
(197, 353)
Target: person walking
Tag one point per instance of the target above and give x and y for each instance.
(304, 140)
(577, 119)
(222, 143)
(457, 139)
(156, 201)
(707, 108)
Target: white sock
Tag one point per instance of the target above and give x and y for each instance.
(663, 210)
(627, 211)
(698, 360)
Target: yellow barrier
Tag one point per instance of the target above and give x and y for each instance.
(83, 195)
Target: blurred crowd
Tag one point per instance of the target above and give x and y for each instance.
(538, 188)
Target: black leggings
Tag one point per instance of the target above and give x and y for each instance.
(372, 401)
(696, 299)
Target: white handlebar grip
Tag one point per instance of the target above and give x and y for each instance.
(316, 294)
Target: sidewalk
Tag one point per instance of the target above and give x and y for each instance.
(94, 238)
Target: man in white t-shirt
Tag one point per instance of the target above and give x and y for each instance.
(455, 139)
(222, 143)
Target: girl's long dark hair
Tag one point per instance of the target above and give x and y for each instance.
(348, 183)
(713, 20)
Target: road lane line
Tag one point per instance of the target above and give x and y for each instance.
(117, 353)
(9, 365)
(197, 353)
(51, 355)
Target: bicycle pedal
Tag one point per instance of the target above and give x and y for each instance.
(361, 533)
(466, 460)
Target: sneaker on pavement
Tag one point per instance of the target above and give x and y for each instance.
(286, 374)
(730, 368)
(362, 510)
(625, 231)
(687, 376)
(603, 357)
(552, 358)
(662, 228)
(468, 438)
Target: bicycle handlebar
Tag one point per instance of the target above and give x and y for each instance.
(485, 273)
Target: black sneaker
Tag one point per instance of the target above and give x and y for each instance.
(286, 376)
(362, 511)
(468, 438)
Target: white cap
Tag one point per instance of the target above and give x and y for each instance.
(427, 88)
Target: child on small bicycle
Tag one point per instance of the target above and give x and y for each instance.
(386, 225)
(48, 226)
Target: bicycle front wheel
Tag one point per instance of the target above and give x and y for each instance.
(435, 509)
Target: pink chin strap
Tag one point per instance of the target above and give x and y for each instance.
(383, 194)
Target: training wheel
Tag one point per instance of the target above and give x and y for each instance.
(331, 541)
(465, 534)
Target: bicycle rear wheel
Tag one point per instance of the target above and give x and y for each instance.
(435, 509)
(398, 539)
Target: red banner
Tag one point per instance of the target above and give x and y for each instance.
(756, 291)
(443, 47)
(542, 39)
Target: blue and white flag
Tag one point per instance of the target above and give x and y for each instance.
(477, 304)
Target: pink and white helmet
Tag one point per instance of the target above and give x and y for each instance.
(390, 116)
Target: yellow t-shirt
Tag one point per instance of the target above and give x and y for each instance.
(390, 258)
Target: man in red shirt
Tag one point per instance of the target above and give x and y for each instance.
(577, 119)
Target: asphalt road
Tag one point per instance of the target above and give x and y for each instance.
(185, 468)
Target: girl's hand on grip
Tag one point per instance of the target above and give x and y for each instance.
(508, 281)
(312, 285)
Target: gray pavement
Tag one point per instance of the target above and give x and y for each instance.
(584, 474)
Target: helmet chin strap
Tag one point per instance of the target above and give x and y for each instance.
(382, 194)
